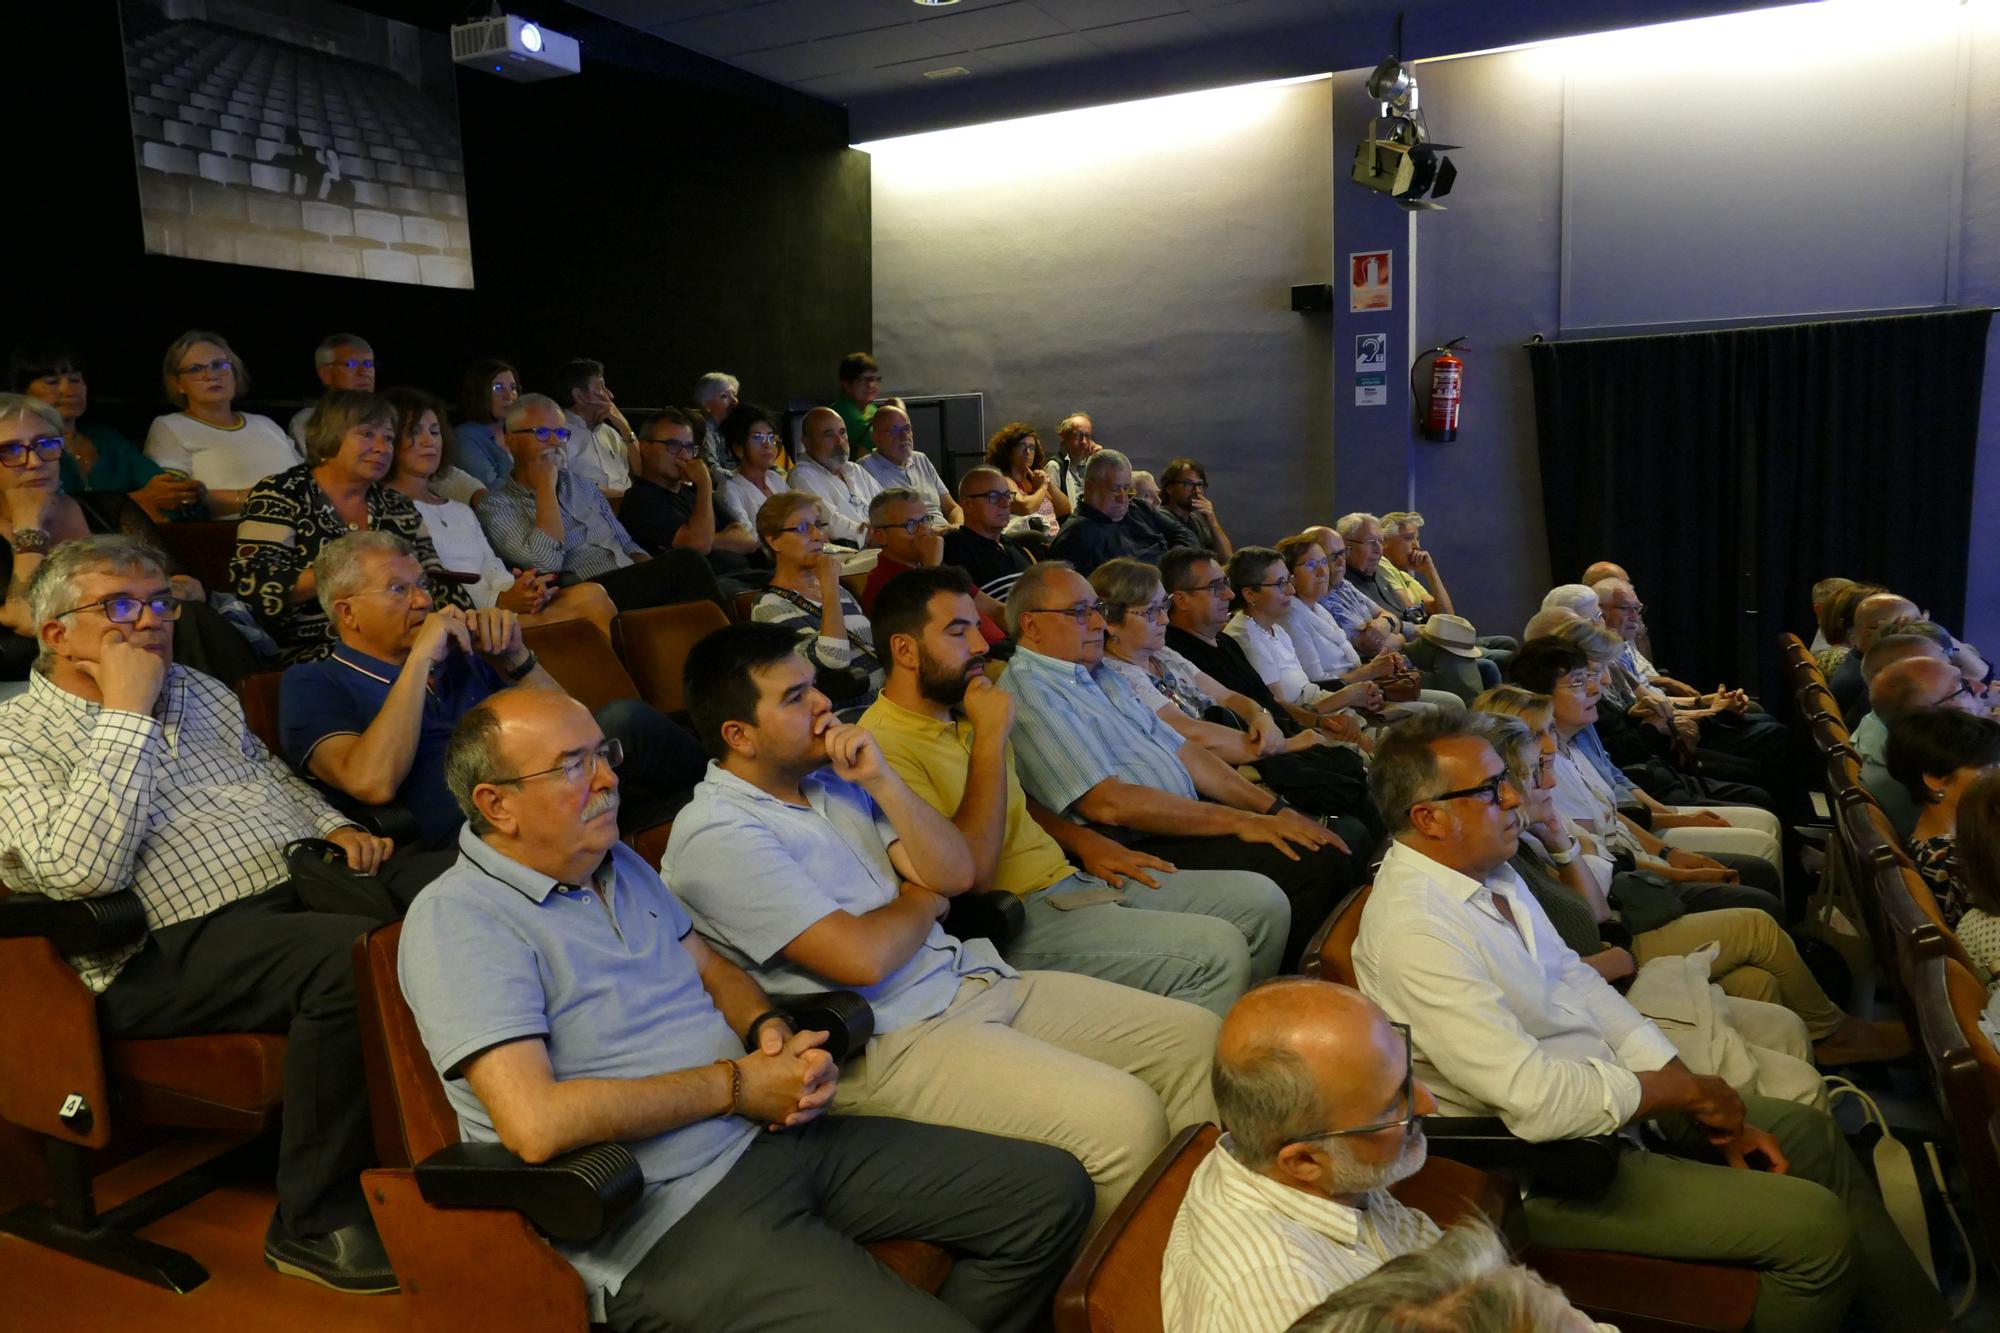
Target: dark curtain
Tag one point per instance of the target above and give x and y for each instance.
(1730, 470)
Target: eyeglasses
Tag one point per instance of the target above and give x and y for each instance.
(1964, 687)
(611, 753)
(1214, 588)
(1372, 543)
(801, 529)
(1080, 614)
(1488, 791)
(1409, 1121)
(353, 363)
(512, 390)
(1150, 611)
(1578, 680)
(14, 453)
(1625, 606)
(898, 432)
(127, 610)
(990, 497)
(543, 434)
(909, 527)
(399, 590)
(766, 438)
(219, 366)
(1274, 583)
(1190, 483)
(685, 448)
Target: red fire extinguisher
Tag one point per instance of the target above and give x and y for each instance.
(1440, 413)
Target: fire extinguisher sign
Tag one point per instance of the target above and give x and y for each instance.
(1369, 280)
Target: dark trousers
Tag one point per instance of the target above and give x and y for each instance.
(1315, 883)
(663, 762)
(668, 578)
(777, 1242)
(1759, 889)
(267, 964)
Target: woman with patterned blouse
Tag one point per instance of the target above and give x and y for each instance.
(287, 518)
(1937, 753)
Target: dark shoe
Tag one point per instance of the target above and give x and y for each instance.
(350, 1259)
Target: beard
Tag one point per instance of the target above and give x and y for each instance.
(941, 685)
(1352, 1177)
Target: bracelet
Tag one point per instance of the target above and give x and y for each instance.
(520, 673)
(1278, 806)
(735, 1085)
(31, 541)
(1566, 855)
(750, 1033)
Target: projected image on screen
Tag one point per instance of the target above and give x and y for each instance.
(297, 134)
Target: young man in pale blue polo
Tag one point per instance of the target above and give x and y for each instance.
(565, 1000)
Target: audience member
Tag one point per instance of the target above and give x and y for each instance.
(805, 596)
(341, 361)
(899, 526)
(1836, 624)
(601, 440)
(1411, 569)
(860, 386)
(542, 519)
(1198, 935)
(1363, 536)
(1321, 1113)
(489, 390)
(1978, 842)
(1822, 595)
(1107, 523)
(1328, 658)
(750, 438)
(287, 518)
(556, 1027)
(36, 517)
(1079, 441)
(673, 504)
(371, 719)
(1537, 1038)
(1036, 501)
(844, 488)
(1146, 489)
(1465, 1282)
(1368, 627)
(1873, 614)
(1088, 750)
(206, 439)
(99, 459)
(122, 769)
(1184, 494)
(897, 464)
(810, 863)
(1937, 753)
(716, 394)
(979, 545)
(1913, 679)
(1263, 595)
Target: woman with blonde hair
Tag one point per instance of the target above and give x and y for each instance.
(805, 592)
(206, 438)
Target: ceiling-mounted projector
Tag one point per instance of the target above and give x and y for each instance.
(514, 48)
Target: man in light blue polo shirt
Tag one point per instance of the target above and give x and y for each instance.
(804, 857)
(565, 1000)
(1087, 749)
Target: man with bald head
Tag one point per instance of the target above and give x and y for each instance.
(1848, 683)
(1078, 439)
(1320, 1115)
(565, 998)
(1917, 677)
(1602, 570)
(979, 545)
(844, 487)
(897, 463)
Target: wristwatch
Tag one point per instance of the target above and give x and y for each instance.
(31, 541)
(515, 675)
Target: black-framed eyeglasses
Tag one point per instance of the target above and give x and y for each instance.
(909, 527)
(1964, 687)
(1214, 588)
(1274, 583)
(1375, 542)
(611, 753)
(1080, 614)
(222, 365)
(991, 497)
(1190, 482)
(1409, 1121)
(356, 363)
(543, 434)
(127, 610)
(801, 529)
(685, 448)
(14, 453)
(1488, 791)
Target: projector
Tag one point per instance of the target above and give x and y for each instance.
(514, 48)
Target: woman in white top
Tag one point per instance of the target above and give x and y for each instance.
(440, 490)
(805, 592)
(208, 440)
(1015, 451)
(1263, 588)
(752, 441)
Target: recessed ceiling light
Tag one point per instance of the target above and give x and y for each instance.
(935, 3)
(948, 72)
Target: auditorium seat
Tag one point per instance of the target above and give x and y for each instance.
(654, 645)
(203, 549)
(1966, 1073)
(173, 160)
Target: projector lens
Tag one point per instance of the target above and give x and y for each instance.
(531, 37)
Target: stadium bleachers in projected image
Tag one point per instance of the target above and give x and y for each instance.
(255, 151)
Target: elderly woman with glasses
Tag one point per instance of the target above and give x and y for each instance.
(207, 439)
(1263, 588)
(350, 450)
(805, 592)
(753, 441)
(36, 516)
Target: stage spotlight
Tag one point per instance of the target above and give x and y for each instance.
(1397, 157)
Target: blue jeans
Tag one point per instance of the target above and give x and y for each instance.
(1204, 936)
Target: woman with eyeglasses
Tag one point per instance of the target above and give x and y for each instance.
(443, 495)
(805, 592)
(207, 439)
(751, 436)
(97, 459)
(1324, 652)
(490, 388)
(1263, 588)
(1937, 754)
(350, 449)
(36, 517)
(1015, 451)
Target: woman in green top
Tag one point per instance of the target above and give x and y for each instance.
(99, 459)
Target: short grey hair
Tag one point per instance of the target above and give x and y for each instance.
(1069, 422)
(1264, 1098)
(1578, 597)
(1103, 463)
(333, 342)
(894, 495)
(527, 403)
(1545, 622)
(1401, 518)
(1405, 769)
(1349, 524)
(1125, 582)
(472, 759)
(715, 382)
(337, 568)
(21, 406)
(1600, 645)
(1026, 594)
(52, 589)
(1465, 1282)
(340, 411)
(1608, 587)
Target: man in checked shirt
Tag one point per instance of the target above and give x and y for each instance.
(120, 770)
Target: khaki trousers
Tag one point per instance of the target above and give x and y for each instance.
(1757, 961)
(1102, 1071)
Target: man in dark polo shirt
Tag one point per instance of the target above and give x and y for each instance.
(672, 504)
(1108, 522)
(372, 719)
(976, 546)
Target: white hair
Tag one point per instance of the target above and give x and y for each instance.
(333, 342)
(1349, 524)
(1103, 463)
(526, 403)
(715, 382)
(1577, 597)
(21, 406)
(337, 567)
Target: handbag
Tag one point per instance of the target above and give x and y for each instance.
(1403, 687)
(1645, 902)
